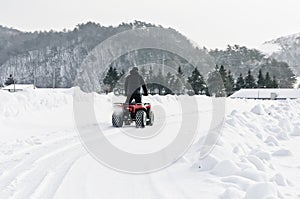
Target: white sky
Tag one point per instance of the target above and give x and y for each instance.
(210, 23)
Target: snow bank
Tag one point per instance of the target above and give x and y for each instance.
(251, 141)
(14, 104)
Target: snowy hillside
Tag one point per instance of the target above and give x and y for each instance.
(41, 155)
(276, 45)
(53, 59)
(285, 49)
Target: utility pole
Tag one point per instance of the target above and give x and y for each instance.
(53, 80)
(14, 78)
(34, 75)
(163, 65)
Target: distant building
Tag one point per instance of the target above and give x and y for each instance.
(267, 93)
(17, 87)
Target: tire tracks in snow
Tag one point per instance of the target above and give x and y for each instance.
(42, 170)
(37, 171)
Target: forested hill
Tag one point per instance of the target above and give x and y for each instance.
(240, 59)
(54, 58)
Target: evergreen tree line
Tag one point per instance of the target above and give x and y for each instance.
(179, 83)
(159, 83)
(236, 58)
(262, 81)
(249, 81)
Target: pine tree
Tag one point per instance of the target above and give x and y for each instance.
(179, 72)
(10, 80)
(172, 83)
(229, 83)
(268, 81)
(160, 78)
(223, 74)
(151, 74)
(160, 81)
(240, 82)
(274, 82)
(111, 78)
(196, 81)
(215, 85)
(261, 80)
(168, 80)
(180, 82)
(249, 80)
(178, 85)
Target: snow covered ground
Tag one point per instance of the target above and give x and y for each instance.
(41, 155)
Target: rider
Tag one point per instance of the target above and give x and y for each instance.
(133, 84)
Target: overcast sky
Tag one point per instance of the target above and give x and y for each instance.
(210, 23)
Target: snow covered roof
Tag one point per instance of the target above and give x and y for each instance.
(266, 93)
(18, 87)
